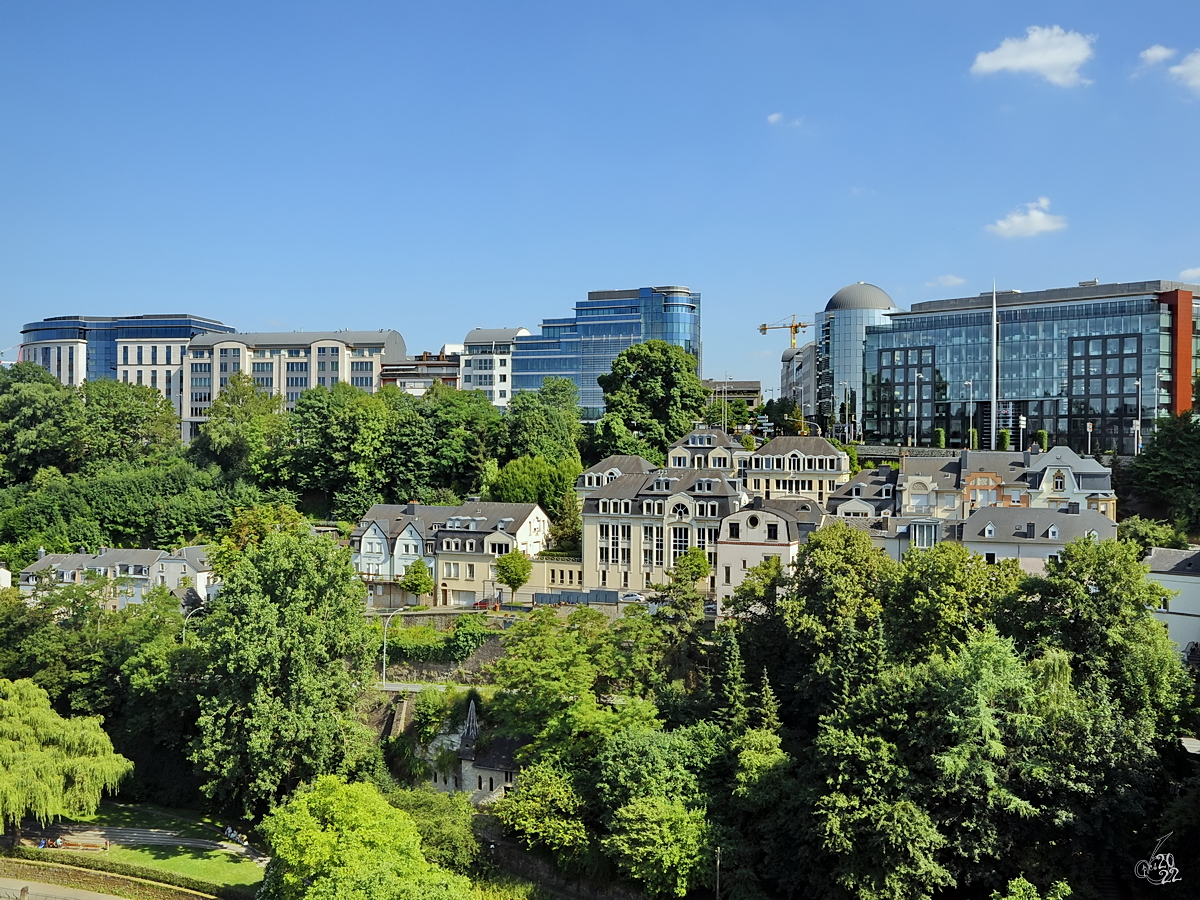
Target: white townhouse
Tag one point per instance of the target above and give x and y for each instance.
(797, 468)
(758, 531)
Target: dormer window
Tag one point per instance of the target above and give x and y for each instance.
(887, 490)
(989, 530)
(470, 546)
(1054, 532)
(1092, 535)
(856, 491)
(604, 506)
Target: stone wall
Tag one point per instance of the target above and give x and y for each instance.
(469, 671)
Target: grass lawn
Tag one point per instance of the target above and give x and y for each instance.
(213, 866)
(184, 821)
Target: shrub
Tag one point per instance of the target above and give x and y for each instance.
(939, 438)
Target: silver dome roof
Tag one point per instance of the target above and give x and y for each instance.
(860, 296)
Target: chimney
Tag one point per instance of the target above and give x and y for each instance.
(1073, 508)
(41, 552)
(1030, 530)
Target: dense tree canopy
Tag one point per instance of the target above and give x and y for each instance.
(652, 391)
(286, 653)
(50, 766)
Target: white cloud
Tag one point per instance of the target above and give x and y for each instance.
(1034, 219)
(1188, 71)
(1192, 275)
(946, 281)
(1054, 54)
(1152, 56)
(775, 118)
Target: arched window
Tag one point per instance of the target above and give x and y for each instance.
(1060, 483)
(679, 511)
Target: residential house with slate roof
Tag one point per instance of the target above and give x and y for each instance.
(1179, 571)
(871, 494)
(609, 469)
(636, 526)
(797, 468)
(928, 487)
(134, 572)
(710, 448)
(1029, 533)
(470, 538)
(759, 530)
(389, 539)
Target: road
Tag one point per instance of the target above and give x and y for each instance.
(10, 889)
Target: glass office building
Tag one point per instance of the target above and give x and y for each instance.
(75, 348)
(1108, 356)
(584, 346)
(842, 331)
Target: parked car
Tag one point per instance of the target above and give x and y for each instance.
(632, 597)
(482, 604)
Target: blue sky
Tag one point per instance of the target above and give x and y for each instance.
(436, 167)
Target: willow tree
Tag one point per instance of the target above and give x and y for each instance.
(50, 766)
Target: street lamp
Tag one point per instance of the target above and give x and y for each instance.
(970, 412)
(387, 620)
(845, 421)
(1137, 420)
(916, 402)
(183, 636)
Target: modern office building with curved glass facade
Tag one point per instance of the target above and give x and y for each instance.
(1109, 356)
(584, 346)
(842, 330)
(79, 348)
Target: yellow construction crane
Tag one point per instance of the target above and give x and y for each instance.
(792, 326)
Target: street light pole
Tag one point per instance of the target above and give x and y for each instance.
(387, 620)
(970, 412)
(1137, 420)
(183, 636)
(916, 401)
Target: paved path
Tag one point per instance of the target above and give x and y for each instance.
(409, 686)
(10, 889)
(141, 837)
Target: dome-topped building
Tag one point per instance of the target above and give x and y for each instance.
(860, 295)
(841, 342)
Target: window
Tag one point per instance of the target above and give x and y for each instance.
(989, 530)
(499, 549)
(1054, 532)
(856, 491)
(735, 530)
(727, 574)
(470, 546)
(470, 571)
(925, 534)
(1060, 483)
(679, 543)
(772, 531)
(679, 511)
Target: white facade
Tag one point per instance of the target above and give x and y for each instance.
(486, 363)
(286, 363)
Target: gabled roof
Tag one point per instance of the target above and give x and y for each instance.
(1011, 524)
(808, 446)
(1063, 457)
(627, 487)
(1173, 562)
(394, 518)
(719, 437)
(484, 516)
(70, 562)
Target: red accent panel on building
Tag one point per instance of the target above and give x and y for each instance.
(1180, 304)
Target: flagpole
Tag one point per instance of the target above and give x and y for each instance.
(995, 363)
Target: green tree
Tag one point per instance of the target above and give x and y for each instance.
(653, 389)
(532, 479)
(1042, 437)
(660, 842)
(612, 436)
(513, 569)
(1165, 473)
(246, 433)
(286, 650)
(468, 429)
(1147, 533)
(126, 421)
(1004, 439)
(445, 823)
(417, 580)
(50, 766)
(41, 424)
(566, 532)
(545, 423)
(546, 809)
(338, 841)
